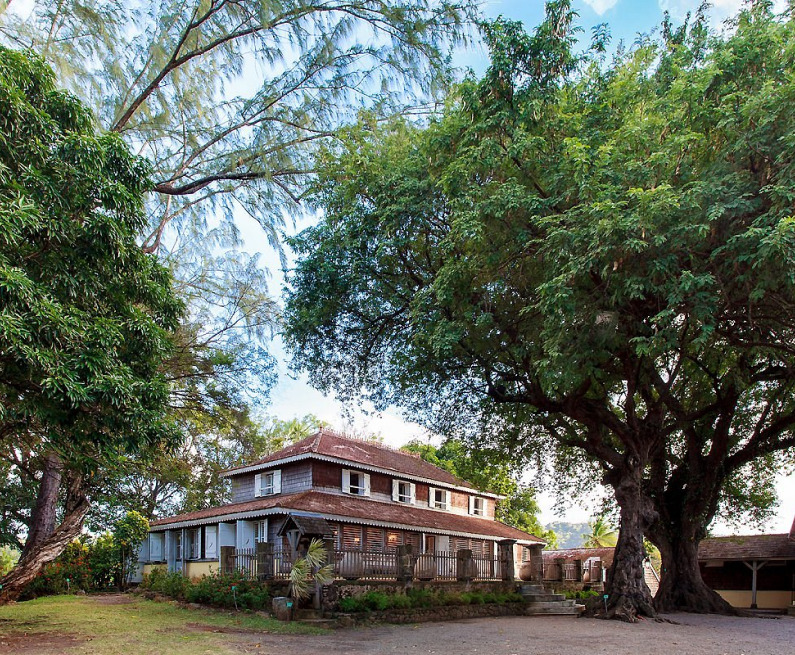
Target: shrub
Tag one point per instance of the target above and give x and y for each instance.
(215, 589)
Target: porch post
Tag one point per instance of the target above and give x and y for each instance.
(754, 566)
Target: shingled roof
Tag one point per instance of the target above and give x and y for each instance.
(368, 453)
(749, 547)
(604, 554)
(356, 510)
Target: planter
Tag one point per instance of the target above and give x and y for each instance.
(283, 608)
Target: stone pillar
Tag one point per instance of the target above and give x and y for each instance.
(560, 563)
(578, 570)
(405, 563)
(227, 559)
(464, 566)
(507, 563)
(264, 560)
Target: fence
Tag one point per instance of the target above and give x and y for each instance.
(266, 563)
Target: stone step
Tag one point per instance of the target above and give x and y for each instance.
(551, 604)
(542, 597)
(307, 614)
(569, 610)
(531, 589)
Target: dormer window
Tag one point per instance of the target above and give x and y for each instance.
(268, 484)
(477, 506)
(355, 482)
(438, 498)
(404, 492)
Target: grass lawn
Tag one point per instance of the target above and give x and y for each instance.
(120, 624)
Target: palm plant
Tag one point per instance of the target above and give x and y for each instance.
(309, 569)
(602, 535)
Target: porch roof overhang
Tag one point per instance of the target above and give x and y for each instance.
(337, 508)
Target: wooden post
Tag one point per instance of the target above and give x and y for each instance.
(227, 557)
(754, 566)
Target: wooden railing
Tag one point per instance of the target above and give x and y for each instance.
(265, 563)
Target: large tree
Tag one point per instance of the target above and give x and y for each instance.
(86, 317)
(599, 251)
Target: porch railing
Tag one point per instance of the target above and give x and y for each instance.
(265, 563)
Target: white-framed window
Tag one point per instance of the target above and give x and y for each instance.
(261, 531)
(195, 543)
(355, 482)
(438, 498)
(156, 547)
(268, 484)
(404, 492)
(477, 506)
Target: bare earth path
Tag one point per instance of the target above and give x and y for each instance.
(122, 625)
(695, 635)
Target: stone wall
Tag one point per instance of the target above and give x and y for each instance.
(446, 613)
(333, 593)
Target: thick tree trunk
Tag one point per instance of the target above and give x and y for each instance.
(36, 558)
(681, 586)
(628, 594)
(43, 519)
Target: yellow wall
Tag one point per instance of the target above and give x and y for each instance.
(198, 569)
(764, 599)
(148, 568)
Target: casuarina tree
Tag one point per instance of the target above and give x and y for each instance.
(587, 256)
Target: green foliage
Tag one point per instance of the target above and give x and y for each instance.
(215, 589)
(8, 559)
(309, 570)
(601, 534)
(581, 594)
(569, 535)
(592, 254)
(419, 598)
(87, 317)
(490, 470)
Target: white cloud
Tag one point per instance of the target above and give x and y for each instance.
(601, 6)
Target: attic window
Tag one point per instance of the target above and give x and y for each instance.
(438, 498)
(268, 484)
(403, 492)
(355, 483)
(477, 506)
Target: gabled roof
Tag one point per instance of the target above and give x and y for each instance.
(326, 443)
(352, 509)
(749, 547)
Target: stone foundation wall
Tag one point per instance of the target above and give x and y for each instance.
(426, 614)
(333, 593)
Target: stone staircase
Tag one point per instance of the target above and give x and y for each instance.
(540, 601)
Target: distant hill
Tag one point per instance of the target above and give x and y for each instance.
(570, 535)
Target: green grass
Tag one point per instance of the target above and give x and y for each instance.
(142, 626)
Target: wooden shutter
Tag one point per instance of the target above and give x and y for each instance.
(258, 485)
(413, 494)
(351, 537)
(277, 481)
(374, 540)
(431, 496)
(471, 504)
(447, 499)
(346, 481)
(366, 477)
(394, 538)
(412, 539)
(396, 490)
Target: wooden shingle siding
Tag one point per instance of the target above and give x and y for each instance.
(242, 488)
(296, 478)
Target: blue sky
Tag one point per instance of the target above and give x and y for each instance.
(294, 396)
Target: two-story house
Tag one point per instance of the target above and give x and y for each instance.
(360, 495)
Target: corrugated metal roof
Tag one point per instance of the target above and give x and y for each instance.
(361, 510)
(369, 453)
(747, 547)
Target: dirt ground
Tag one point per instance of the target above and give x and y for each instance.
(689, 635)
(692, 635)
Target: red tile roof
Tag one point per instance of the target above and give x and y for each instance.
(328, 443)
(582, 554)
(362, 510)
(760, 546)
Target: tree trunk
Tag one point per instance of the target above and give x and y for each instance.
(43, 520)
(36, 558)
(681, 586)
(628, 594)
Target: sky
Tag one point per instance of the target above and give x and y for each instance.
(294, 395)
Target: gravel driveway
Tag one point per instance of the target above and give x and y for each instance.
(693, 634)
